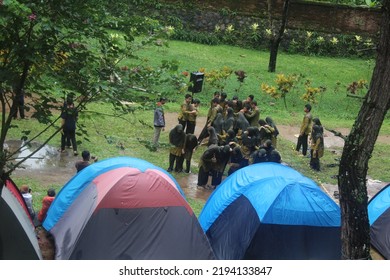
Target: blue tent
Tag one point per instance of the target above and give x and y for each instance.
(379, 217)
(271, 211)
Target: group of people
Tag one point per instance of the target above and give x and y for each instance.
(235, 136)
(233, 156)
(182, 147)
(188, 113)
(181, 137)
(46, 202)
(26, 191)
(69, 116)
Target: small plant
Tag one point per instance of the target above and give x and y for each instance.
(312, 92)
(229, 36)
(254, 35)
(357, 87)
(241, 75)
(285, 84)
(217, 78)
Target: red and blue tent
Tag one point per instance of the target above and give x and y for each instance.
(271, 211)
(379, 218)
(18, 240)
(125, 208)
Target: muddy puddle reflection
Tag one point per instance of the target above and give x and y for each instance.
(188, 185)
(46, 157)
(47, 166)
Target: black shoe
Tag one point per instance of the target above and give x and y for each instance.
(169, 169)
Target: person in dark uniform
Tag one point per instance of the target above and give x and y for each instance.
(81, 164)
(217, 170)
(189, 146)
(177, 139)
(211, 115)
(69, 118)
(236, 160)
(19, 99)
(317, 147)
(206, 163)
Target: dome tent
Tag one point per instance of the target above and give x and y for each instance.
(125, 208)
(379, 218)
(271, 211)
(17, 231)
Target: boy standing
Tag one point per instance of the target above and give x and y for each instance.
(159, 121)
(305, 130)
(68, 123)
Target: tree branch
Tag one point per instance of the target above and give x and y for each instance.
(356, 96)
(337, 133)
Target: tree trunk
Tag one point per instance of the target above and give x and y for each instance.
(276, 39)
(273, 54)
(355, 230)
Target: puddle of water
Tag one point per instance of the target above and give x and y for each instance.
(189, 186)
(46, 157)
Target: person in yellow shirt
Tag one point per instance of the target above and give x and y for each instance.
(185, 108)
(192, 114)
(305, 130)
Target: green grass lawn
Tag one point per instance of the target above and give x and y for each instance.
(109, 137)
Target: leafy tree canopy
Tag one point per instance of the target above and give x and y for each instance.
(50, 49)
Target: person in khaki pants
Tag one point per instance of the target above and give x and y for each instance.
(305, 130)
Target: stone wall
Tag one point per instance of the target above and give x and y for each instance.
(204, 15)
